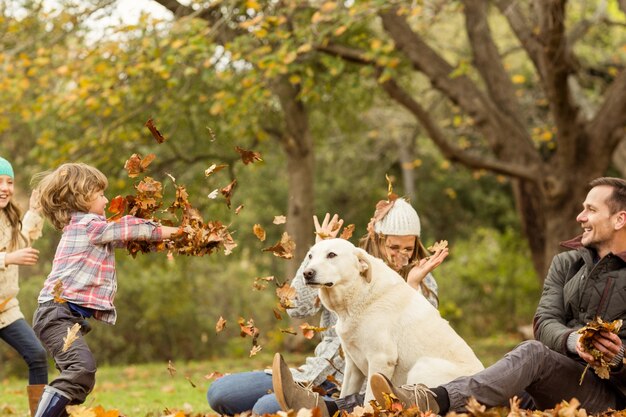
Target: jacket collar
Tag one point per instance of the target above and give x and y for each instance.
(576, 244)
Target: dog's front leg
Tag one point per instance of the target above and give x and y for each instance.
(353, 378)
(384, 363)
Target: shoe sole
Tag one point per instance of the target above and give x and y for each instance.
(380, 384)
(277, 382)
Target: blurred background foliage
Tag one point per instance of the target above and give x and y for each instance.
(72, 90)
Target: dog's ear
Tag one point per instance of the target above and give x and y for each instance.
(364, 265)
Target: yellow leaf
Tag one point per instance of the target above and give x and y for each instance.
(252, 4)
(340, 30)
(290, 57)
(304, 48)
(295, 79)
(329, 6)
(518, 79)
(80, 411)
(72, 335)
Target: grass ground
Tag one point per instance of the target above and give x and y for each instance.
(149, 390)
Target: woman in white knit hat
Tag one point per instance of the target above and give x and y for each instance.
(394, 236)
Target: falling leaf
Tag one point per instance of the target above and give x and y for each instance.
(248, 328)
(227, 191)
(260, 283)
(248, 156)
(135, 165)
(289, 330)
(286, 295)
(190, 381)
(117, 207)
(309, 331)
(382, 208)
(213, 375)
(280, 220)
(170, 368)
(347, 231)
(277, 314)
(284, 248)
(213, 169)
(219, 326)
(391, 196)
(72, 335)
(259, 232)
(437, 246)
(171, 177)
(57, 292)
(238, 209)
(213, 137)
(155, 132)
(255, 349)
(213, 194)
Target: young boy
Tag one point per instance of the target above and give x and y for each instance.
(82, 283)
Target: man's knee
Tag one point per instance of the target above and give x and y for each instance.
(217, 397)
(530, 350)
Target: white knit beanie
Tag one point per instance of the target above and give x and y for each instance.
(401, 220)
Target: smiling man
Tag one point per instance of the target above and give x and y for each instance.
(583, 283)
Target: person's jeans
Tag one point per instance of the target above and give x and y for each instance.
(21, 337)
(547, 376)
(235, 393)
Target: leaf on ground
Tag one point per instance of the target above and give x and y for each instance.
(80, 411)
(72, 335)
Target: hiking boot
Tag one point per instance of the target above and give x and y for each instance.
(409, 395)
(291, 395)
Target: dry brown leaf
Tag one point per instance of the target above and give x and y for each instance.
(213, 169)
(219, 326)
(238, 209)
(284, 248)
(213, 375)
(190, 381)
(442, 244)
(170, 368)
(248, 156)
(347, 232)
(80, 411)
(255, 349)
(280, 220)
(228, 191)
(155, 132)
(72, 335)
(289, 330)
(309, 331)
(286, 295)
(586, 340)
(259, 232)
(57, 292)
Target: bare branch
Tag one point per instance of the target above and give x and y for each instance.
(449, 150)
(611, 116)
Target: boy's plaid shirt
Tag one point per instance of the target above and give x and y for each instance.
(85, 260)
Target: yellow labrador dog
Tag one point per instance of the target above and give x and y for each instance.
(384, 324)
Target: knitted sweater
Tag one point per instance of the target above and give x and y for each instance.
(32, 224)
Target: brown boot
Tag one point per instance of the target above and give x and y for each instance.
(34, 395)
(289, 394)
(409, 395)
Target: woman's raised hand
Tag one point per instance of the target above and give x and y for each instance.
(25, 256)
(328, 229)
(424, 266)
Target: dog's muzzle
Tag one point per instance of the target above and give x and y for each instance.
(310, 276)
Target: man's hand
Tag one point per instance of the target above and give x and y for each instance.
(25, 256)
(609, 344)
(328, 229)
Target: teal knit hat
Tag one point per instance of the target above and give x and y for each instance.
(6, 168)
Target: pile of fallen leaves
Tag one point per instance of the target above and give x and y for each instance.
(474, 409)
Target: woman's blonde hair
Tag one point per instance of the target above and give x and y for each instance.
(14, 214)
(68, 189)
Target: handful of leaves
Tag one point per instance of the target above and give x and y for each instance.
(586, 341)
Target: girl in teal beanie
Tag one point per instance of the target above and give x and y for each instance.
(16, 236)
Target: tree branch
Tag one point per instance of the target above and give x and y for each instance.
(610, 116)
(449, 150)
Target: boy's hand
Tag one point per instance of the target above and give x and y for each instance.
(25, 256)
(167, 232)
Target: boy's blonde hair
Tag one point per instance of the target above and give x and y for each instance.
(68, 189)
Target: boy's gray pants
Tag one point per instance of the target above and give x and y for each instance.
(547, 376)
(77, 364)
